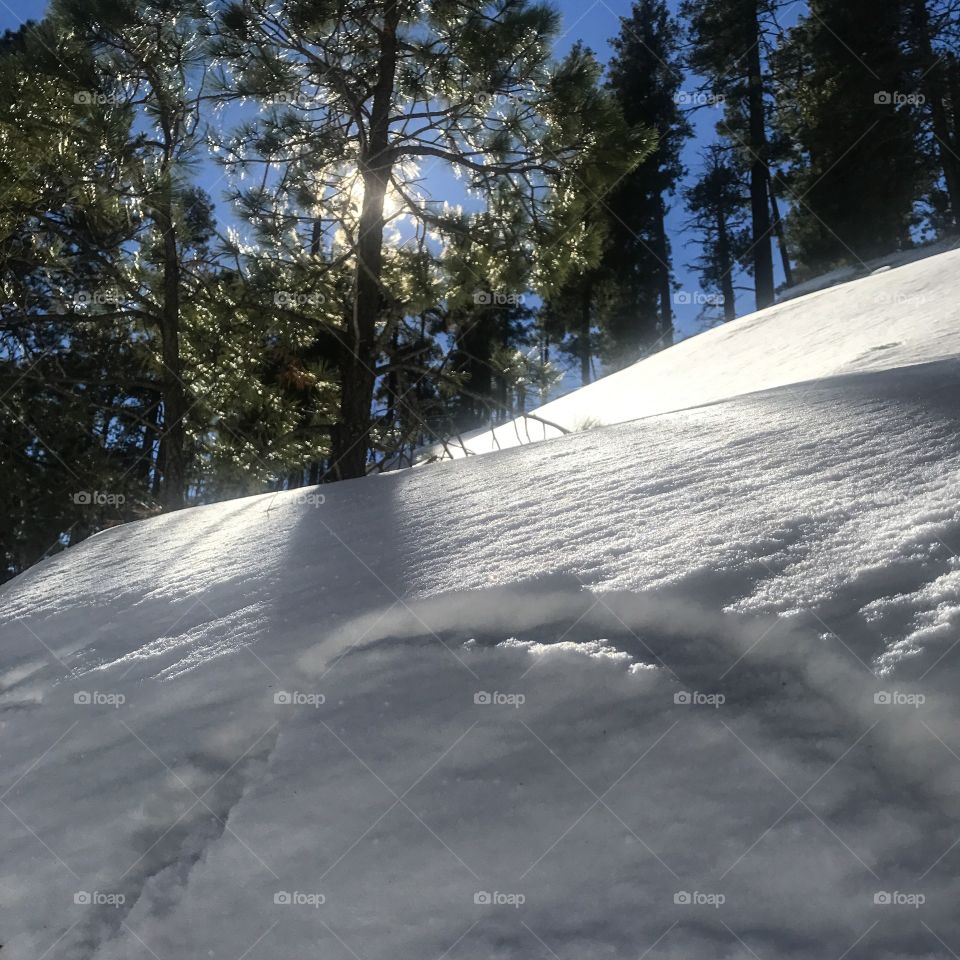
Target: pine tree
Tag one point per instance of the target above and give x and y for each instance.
(849, 110)
(729, 47)
(492, 324)
(363, 94)
(930, 30)
(149, 54)
(720, 202)
(83, 386)
(646, 76)
(74, 402)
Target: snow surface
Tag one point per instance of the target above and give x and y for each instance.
(682, 688)
(903, 315)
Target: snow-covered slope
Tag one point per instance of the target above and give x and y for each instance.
(903, 315)
(683, 688)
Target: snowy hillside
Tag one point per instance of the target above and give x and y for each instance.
(682, 688)
(905, 314)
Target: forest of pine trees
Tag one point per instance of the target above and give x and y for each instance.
(249, 245)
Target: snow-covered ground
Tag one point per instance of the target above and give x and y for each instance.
(683, 688)
(908, 313)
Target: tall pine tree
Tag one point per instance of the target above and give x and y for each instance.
(365, 92)
(719, 203)
(729, 47)
(646, 75)
(931, 29)
(851, 114)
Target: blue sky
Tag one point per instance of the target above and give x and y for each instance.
(594, 23)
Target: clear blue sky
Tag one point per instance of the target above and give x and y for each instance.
(594, 23)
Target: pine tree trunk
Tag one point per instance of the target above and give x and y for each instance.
(147, 466)
(351, 440)
(666, 287)
(781, 235)
(585, 345)
(726, 268)
(953, 85)
(393, 382)
(759, 176)
(175, 408)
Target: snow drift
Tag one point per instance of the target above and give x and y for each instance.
(684, 687)
(899, 316)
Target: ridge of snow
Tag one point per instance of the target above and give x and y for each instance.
(903, 315)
